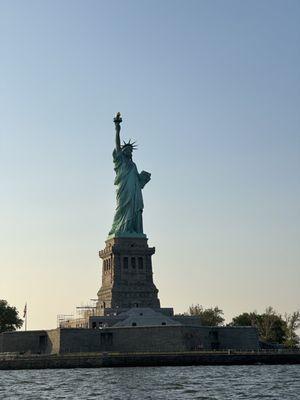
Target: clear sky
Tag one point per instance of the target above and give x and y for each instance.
(211, 92)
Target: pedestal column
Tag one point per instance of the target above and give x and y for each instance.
(127, 277)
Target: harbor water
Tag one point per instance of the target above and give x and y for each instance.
(280, 382)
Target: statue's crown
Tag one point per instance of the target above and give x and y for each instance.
(130, 144)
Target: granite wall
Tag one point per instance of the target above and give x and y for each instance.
(130, 339)
(22, 342)
(158, 339)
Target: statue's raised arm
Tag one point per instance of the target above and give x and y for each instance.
(117, 121)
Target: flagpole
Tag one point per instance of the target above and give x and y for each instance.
(25, 315)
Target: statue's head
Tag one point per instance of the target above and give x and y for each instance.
(127, 148)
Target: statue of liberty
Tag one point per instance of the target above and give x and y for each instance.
(128, 221)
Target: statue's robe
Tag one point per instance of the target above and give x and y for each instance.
(129, 183)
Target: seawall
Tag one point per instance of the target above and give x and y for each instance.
(96, 360)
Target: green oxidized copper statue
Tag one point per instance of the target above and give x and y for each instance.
(128, 221)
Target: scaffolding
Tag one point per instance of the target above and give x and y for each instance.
(81, 320)
(63, 318)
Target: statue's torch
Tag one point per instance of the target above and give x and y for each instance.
(118, 119)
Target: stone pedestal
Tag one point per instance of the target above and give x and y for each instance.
(127, 279)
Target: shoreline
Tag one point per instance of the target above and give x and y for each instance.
(109, 360)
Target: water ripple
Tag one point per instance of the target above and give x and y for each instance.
(273, 382)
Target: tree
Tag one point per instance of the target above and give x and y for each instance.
(208, 316)
(292, 324)
(9, 317)
(246, 319)
(271, 326)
